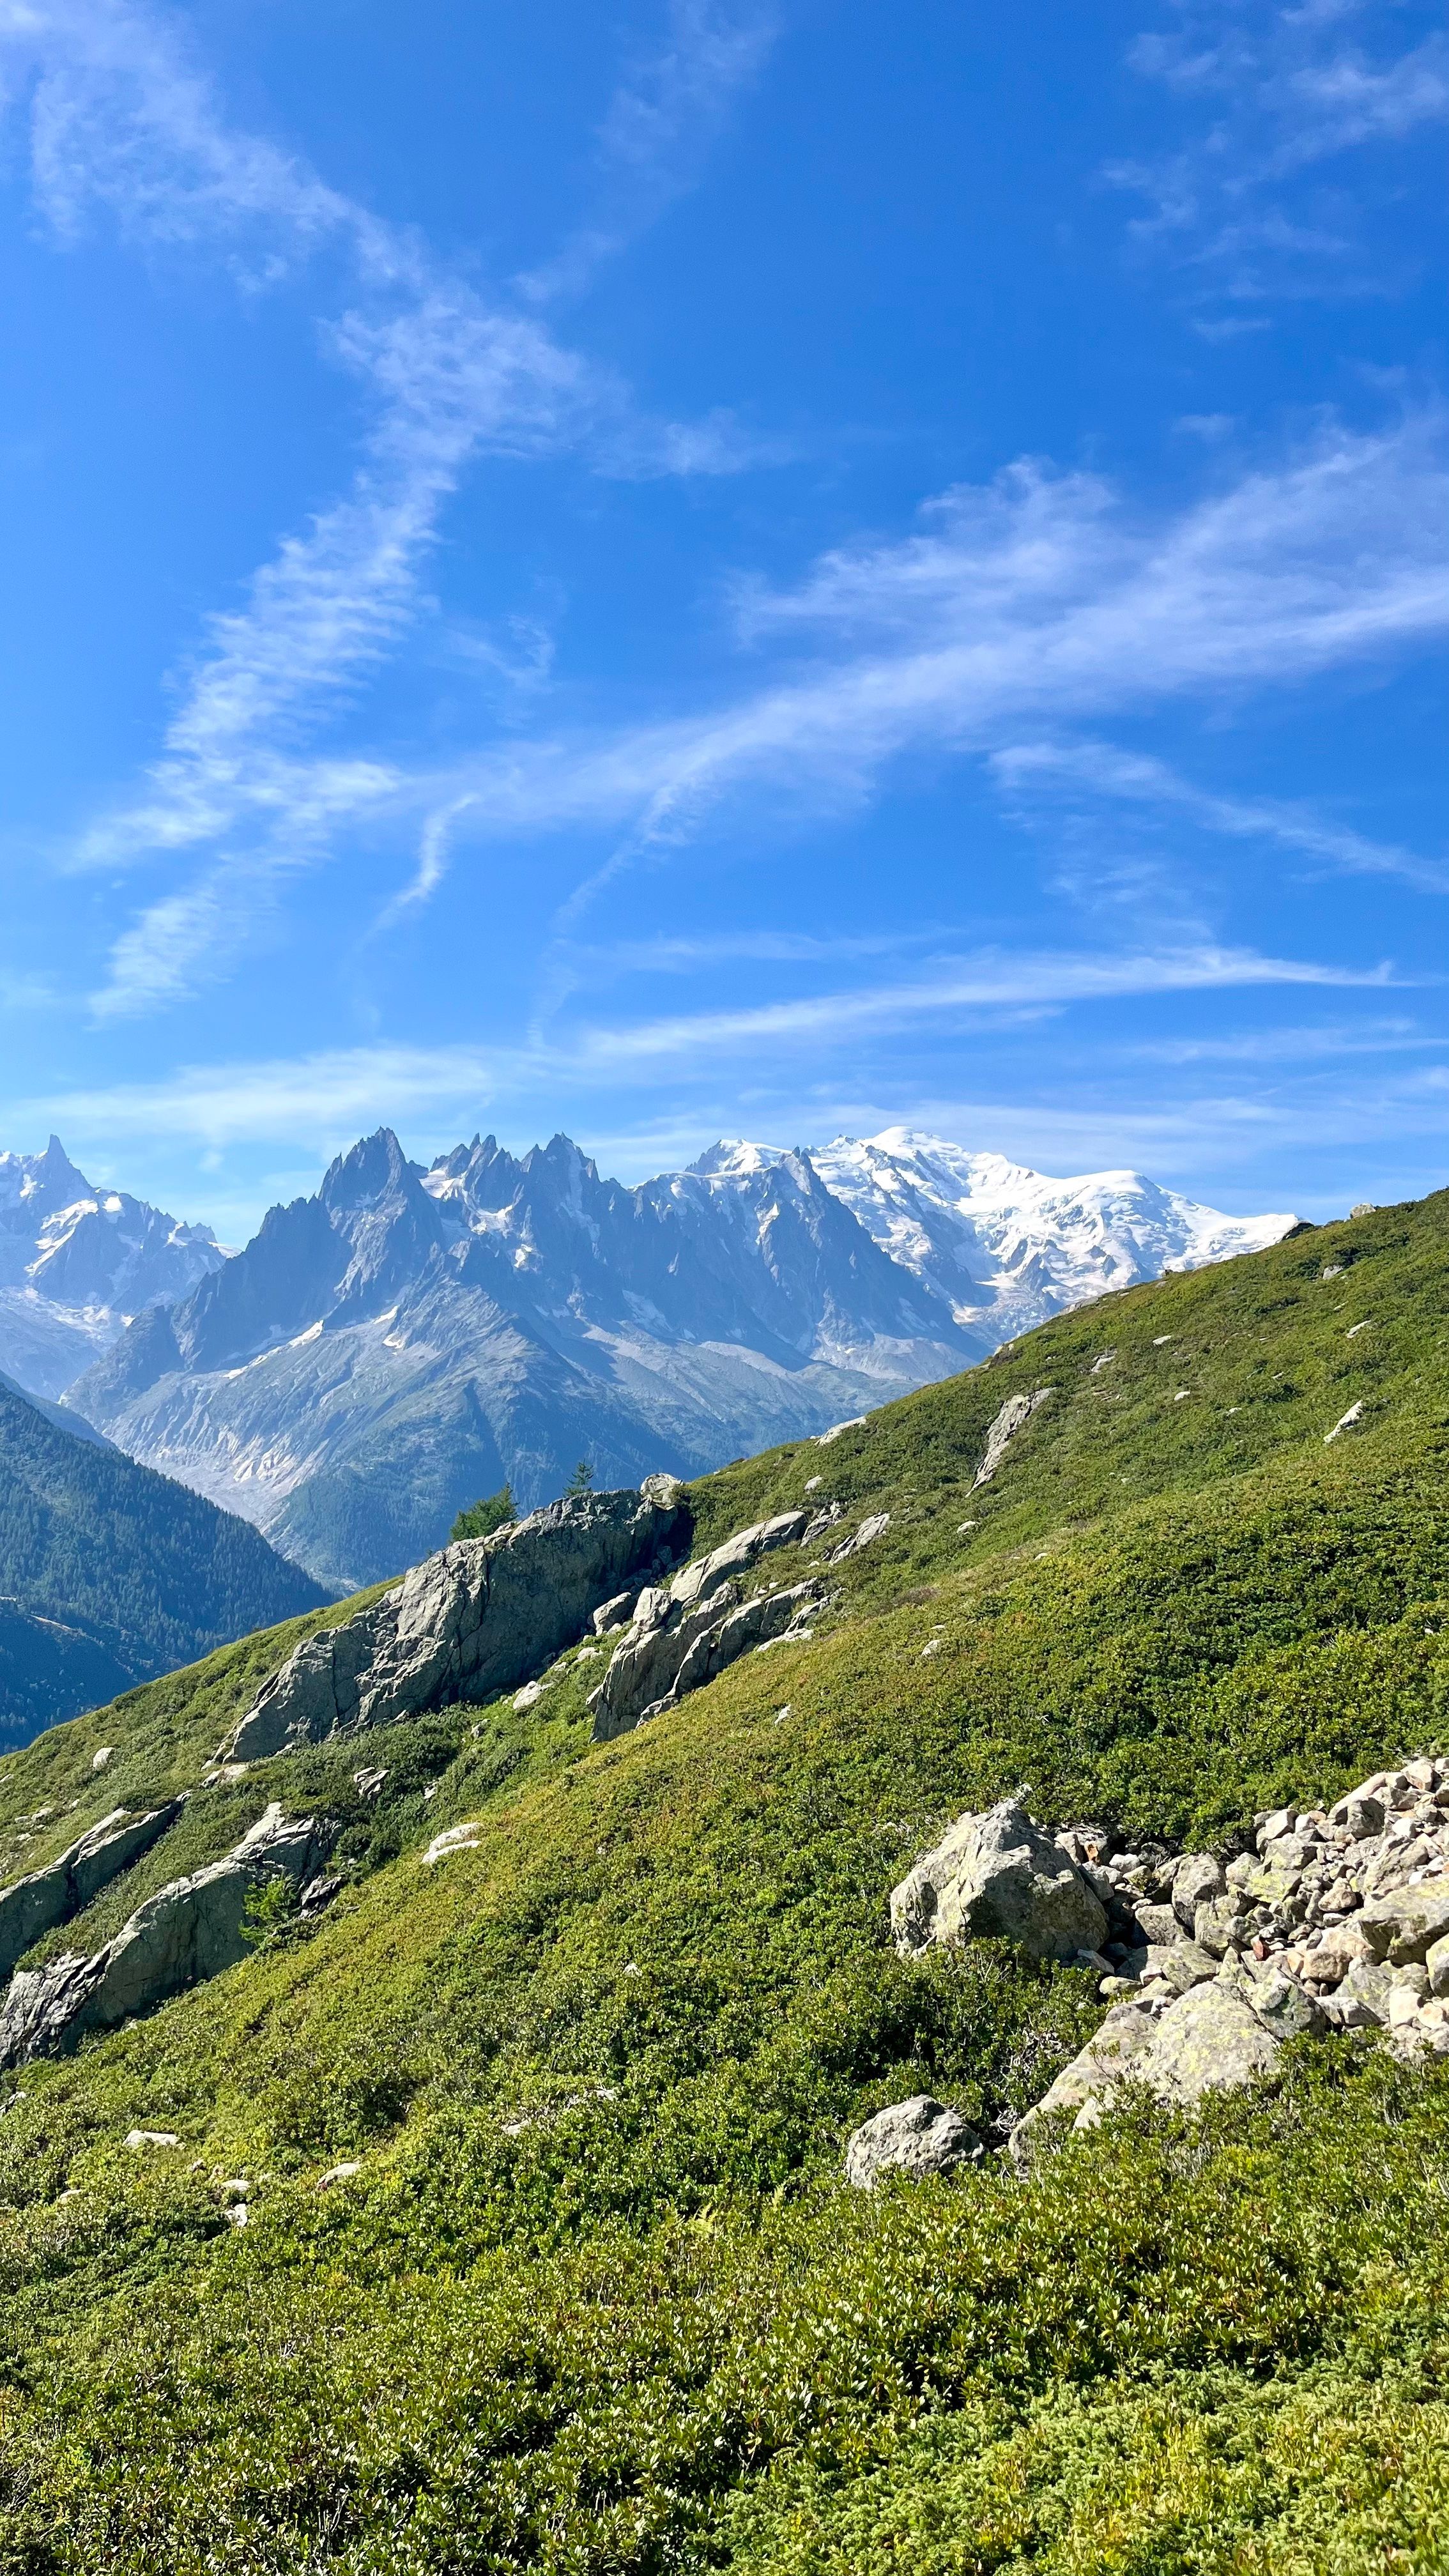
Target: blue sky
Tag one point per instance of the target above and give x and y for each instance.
(716, 567)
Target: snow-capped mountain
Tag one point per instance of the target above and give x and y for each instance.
(76, 1264)
(1005, 1246)
(398, 1344)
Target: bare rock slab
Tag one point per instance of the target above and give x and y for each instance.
(474, 1620)
(51, 1896)
(190, 1930)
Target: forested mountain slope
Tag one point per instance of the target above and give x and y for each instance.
(110, 1573)
(548, 2259)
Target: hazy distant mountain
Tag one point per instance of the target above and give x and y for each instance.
(395, 1346)
(110, 1574)
(76, 1264)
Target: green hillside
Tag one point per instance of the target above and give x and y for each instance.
(596, 2297)
(110, 1573)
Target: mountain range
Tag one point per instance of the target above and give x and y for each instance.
(409, 1338)
(76, 1263)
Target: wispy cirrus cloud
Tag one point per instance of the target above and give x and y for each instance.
(338, 1091)
(1249, 199)
(1103, 771)
(122, 122)
(1037, 598)
(662, 118)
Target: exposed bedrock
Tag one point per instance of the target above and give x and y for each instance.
(680, 1637)
(187, 1931)
(51, 1896)
(474, 1620)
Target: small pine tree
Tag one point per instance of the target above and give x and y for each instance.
(490, 1512)
(582, 1479)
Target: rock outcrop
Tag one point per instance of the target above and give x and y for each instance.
(682, 1636)
(999, 1876)
(53, 1895)
(919, 2137)
(474, 1620)
(1015, 1413)
(187, 1931)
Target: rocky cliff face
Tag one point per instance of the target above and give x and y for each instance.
(387, 1350)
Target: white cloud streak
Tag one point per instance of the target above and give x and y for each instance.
(1036, 599)
(1282, 94)
(122, 121)
(662, 118)
(338, 1092)
(1137, 779)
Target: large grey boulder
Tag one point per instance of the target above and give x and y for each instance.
(187, 1931)
(998, 1876)
(918, 2137)
(682, 1636)
(470, 1622)
(51, 1896)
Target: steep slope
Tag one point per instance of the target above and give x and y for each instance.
(382, 1353)
(76, 1263)
(109, 1573)
(538, 2128)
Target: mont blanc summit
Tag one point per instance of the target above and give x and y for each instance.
(409, 1337)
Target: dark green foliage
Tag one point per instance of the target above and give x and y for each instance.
(582, 1479)
(597, 2299)
(110, 1573)
(481, 1519)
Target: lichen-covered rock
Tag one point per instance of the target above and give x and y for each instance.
(474, 1620)
(998, 1876)
(1110, 2057)
(918, 2137)
(187, 1931)
(1197, 1878)
(1211, 2040)
(53, 1895)
(1405, 1926)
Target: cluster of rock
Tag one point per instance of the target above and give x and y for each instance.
(681, 1635)
(187, 1931)
(1337, 1918)
(472, 1621)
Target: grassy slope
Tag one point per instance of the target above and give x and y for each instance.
(597, 2298)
